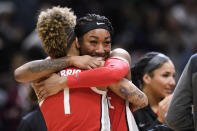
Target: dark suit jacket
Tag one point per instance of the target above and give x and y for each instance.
(33, 121)
(180, 116)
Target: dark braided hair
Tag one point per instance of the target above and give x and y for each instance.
(90, 18)
(146, 65)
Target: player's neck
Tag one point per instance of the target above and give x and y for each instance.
(102, 88)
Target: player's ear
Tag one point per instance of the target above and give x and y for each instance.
(73, 49)
(77, 43)
(146, 78)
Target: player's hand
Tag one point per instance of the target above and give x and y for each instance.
(86, 62)
(163, 107)
(50, 86)
(36, 88)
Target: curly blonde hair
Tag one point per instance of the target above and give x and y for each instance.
(55, 27)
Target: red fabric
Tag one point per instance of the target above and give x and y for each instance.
(117, 112)
(157, 113)
(85, 109)
(114, 70)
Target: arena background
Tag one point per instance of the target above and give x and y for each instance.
(167, 26)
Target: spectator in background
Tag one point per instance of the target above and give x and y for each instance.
(10, 34)
(13, 99)
(154, 74)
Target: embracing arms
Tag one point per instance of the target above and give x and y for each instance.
(114, 70)
(116, 67)
(41, 68)
(37, 69)
(128, 91)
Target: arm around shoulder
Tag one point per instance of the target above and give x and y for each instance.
(115, 69)
(122, 54)
(37, 69)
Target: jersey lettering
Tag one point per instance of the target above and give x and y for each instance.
(66, 90)
(69, 72)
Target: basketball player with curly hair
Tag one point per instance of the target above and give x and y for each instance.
(95, 40)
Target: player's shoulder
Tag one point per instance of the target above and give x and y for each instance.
(120, 50)
(121, 53)
(194, 57)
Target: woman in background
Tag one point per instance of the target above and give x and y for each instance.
(154, 74)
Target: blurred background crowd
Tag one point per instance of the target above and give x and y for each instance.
(167, 26)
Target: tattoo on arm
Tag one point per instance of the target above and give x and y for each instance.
(135, 95)
(124, 91)
(48, 64)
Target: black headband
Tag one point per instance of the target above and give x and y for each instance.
(155, 62)
(80, 30)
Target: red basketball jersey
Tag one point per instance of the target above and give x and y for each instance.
(120, 114)
(76, 109)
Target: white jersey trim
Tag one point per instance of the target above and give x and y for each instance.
(105, 120)
(130, 119)
(40, 103)
(66, 101)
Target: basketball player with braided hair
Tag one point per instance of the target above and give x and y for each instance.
(81, 77)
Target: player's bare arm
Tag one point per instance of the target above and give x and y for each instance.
(128, 91)
(125, 88)
(37, 69)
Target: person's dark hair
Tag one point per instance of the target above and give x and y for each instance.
(91, 22)
(147, 64)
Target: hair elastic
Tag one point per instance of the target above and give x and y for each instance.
(155, 62)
